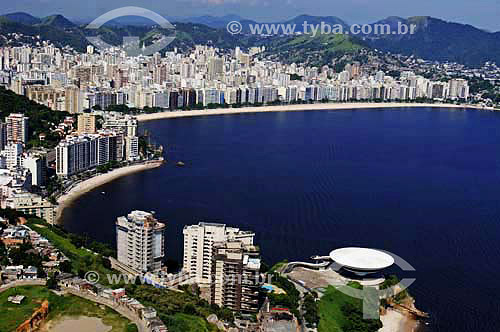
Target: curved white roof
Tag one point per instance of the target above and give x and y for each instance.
(363, 259)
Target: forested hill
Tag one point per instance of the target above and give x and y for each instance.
(41, 118)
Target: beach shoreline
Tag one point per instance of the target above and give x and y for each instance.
(296, 108)
(90, 184)
(395, 321)
(94, 182)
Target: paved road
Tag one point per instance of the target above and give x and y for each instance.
(19, 283)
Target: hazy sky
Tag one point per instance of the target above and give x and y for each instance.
(481, 13)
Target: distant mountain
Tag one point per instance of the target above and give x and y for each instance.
(436, 39)
(217, 22)
(62, 32)
(58, 21)
(222, 21)
(315, 20)
(23, 18)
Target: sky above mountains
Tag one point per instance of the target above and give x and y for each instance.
(480, 13)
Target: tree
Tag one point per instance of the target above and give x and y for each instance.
(65, 266)
(131, 328)
(310, 306)
(52, 282)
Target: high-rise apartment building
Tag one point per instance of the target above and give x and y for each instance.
(17, 128)
(37, 165)
(125, 124)
(235, 276)
(140, 241)
(80, 153)
(215, 67)
(73, 99)
(199, 247)
(3, 135)
(13, 154)
(86, 123)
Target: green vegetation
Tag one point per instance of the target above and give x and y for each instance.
(108, 167)
(82, 260)
(63, 33)
(391, 281)
(436, 39)
(4, 260)
(41, 119)
(12, 315)
(289, 300)
(310, 306)
(131, 328)
(11, 215)
(180, 311)
(182, 322)
(26, 256)
(339, 312)
(278, 266)
(477, 85)
(317, 51)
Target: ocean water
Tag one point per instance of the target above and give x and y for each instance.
(421, 183)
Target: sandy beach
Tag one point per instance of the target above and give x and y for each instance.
(291, 108)
(96, 181)
(394, 321)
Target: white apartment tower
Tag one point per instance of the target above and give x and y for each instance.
(140, 241)
(80, 153)
(13, 153)
(199, 246)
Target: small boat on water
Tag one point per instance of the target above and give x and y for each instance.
(180, 164)
(103, 192)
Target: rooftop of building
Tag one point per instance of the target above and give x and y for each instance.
(363, 259)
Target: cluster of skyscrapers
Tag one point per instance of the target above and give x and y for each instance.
(219, 258)
(89, 147)
(205, 77)
(21, 171)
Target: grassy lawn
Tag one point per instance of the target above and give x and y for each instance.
(81, 259)
(334, 319)
(182, 322)
(331, 318)
(12, 315)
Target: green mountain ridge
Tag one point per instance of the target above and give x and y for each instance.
(57, 21)
(315, 50)
(435, 39)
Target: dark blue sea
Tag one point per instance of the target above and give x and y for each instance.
(421, 183)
